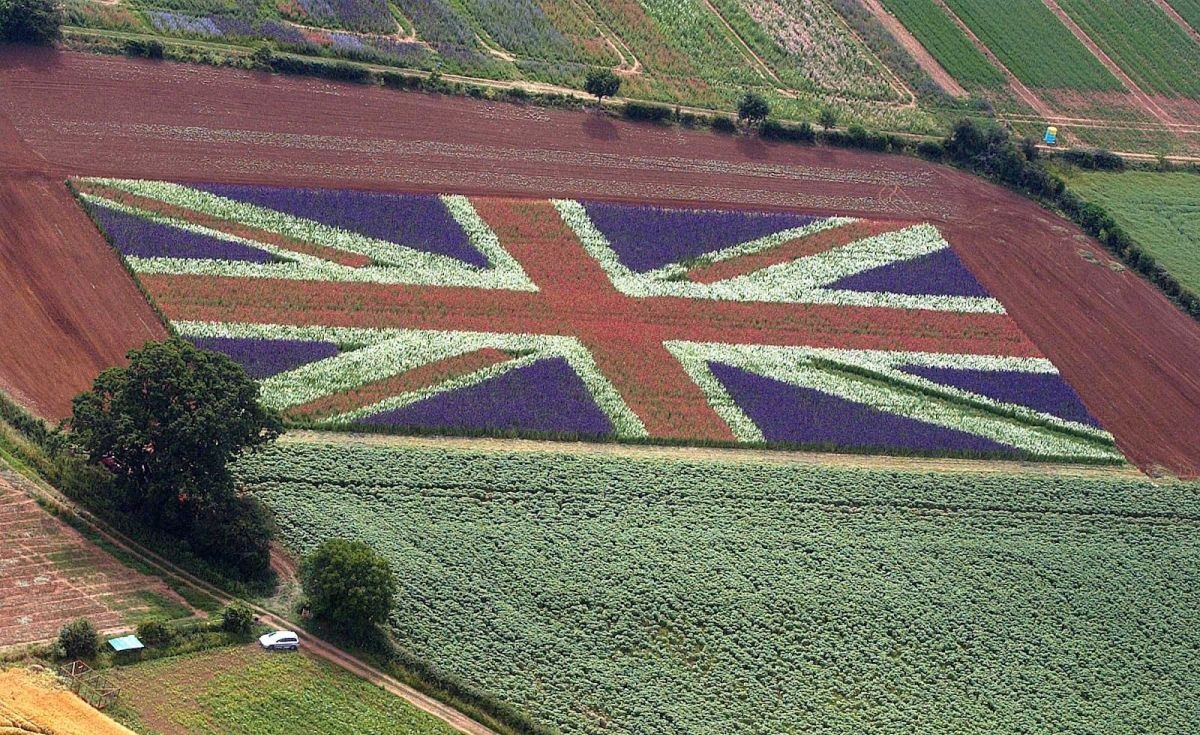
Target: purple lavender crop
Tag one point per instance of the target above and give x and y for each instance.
(645, 238)
(545, 397)
(356, 15)
(1046, 392)
(178, 23)
(418, 221)
(939, 273)
(797, 415)
(132, 235)
(263, 358)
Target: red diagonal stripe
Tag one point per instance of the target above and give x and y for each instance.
(801, 247)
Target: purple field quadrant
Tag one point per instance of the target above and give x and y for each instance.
(545, 397)
(797, 415)
(939, 273)
(1046, 392)
(263, 358)
(141, 238)
(417, 221)
(645, 238)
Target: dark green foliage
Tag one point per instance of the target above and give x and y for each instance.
(237, 617)
(722, 124)
(828, 118)
(348, 584)
(152, 49)
(36, 22)
(1096, 159)
(167, 427)
(647, 111)
(931, 150)
(154, 633)
(753, 108)
(602, 83)
(78, 639)
(775, 130)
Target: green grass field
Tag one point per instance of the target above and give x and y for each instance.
(608, 594)
(1152, 49)
(248, 691)
(1035, 46)
(946, 41)
(1189, 10)
(1160, 210)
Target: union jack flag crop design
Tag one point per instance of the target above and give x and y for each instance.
(596, 319)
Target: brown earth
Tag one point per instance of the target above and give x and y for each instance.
(50, 574)
(35, 703)
(1132, 356)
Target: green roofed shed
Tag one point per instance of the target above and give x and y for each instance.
(126, 643)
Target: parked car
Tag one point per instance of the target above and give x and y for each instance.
(280, 639)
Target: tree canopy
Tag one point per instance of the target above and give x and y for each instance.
(753, 108)
(602, 83)
(31, 21)
(167, 427)
(348, 584)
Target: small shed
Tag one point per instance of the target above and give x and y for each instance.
(125, 643)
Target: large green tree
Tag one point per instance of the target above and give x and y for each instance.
(753, 108)
(348, 584)
(31, 21)
(168, 426)
(602, 83)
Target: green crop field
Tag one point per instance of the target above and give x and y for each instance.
(248, 691)
(1189, 10)
(1152, 49)
(1160, 210)
(623, 595)
(942, 38)
(1035, 46)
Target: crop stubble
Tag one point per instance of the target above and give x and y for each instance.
(1129, 353)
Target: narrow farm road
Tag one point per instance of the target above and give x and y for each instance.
(312, 643)
(915, 49)
(1174, 15)
(1150, 105)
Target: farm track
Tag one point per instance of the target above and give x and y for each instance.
(715, 455)
(312, 643)
(1130, 353)
(1176, 18)
(914, 48)
(1149, 104)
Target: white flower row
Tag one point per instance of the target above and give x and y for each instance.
(803, 280)
(381, 353)
(392, 262)
(795, 365)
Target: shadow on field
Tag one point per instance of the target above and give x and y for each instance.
(597, 126)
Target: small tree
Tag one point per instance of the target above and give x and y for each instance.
(237, 617)
(78, 639)
(31, 21)
(348, 584)
(602, 83)
(828, 118)
(753, 108)
(154, 633)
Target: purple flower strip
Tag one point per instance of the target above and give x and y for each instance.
(797, 415)
(646, 238)
(263, 358)
(1046, 392)
(418, 221)
(142, 238)
(545, 397)
(939, 273)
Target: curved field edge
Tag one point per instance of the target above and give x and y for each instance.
(611, 594)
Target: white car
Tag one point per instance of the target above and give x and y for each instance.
(280, 639)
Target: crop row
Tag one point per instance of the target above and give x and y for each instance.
(938, 33)
(649, 596)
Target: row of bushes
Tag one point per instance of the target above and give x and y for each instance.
(80, 640)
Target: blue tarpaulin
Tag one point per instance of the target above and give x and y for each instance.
(127, 643)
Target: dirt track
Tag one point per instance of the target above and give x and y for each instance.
(1131, 355)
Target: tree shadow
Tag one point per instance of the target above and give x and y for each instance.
(598, 126)
(751, 146)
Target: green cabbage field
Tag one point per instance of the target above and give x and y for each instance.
(617, 595)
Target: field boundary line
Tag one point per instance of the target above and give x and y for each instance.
(1150, 105)
(312, 642)
(1174, 15)
(716, 455)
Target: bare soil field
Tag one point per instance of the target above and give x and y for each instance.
(1130, 354)
(50, 574)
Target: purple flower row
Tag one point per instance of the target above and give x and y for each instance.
(940, 273)
(646, 238)
(358, 15)
(132, 235)
(545, 397)
(1046, 392)
(263, 358)
(418, 221)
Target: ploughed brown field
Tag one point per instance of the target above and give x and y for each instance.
(70, 309)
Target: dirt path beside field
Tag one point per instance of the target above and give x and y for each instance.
(914, 48)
